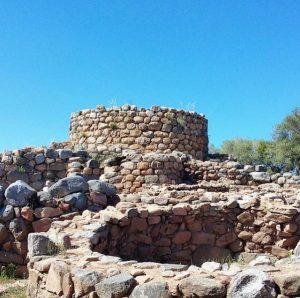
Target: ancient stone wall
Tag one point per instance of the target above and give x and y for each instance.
(37, 165)
(137, 171)
(193, 233)
(157, 129)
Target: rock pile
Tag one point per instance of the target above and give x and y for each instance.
(23, 210)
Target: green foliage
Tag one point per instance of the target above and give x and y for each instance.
(287, 140)
(8, 272)
(21, 169)
(242, 149)
(282, 152)
(114, 126)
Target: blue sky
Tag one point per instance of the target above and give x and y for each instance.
(238, 62)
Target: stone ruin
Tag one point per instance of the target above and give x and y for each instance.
(155, 218)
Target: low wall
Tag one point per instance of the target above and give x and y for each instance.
(191, 233)
(155, 130)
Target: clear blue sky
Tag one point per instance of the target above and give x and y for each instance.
(237, 61)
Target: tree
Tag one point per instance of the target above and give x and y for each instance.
(242, 149)
(287, 140)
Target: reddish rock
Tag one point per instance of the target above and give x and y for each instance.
(26, 213)
(98, 198)
(47, 212)
(261, 238)
(203, 238)
(245, 235)
(226, 239)
(138, 224)
(245, 218)
(153, 220)
(42, 225)
(182, 237)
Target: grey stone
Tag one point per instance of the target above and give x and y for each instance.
(76, 165)
(7, 213)
(81, 201)
(174, 267)
(29, 155)
(92, 163)
(78, 200)
(45, 199)
(18, 228)
(38, 244)
(261, 177)
(85, 280)
(116, 286)
(202, 287)
(81, 153)
(39, 158)
(68, 185)
(260, 168)
(251, 283)
(51, 153)
(19, 193)
(65, 153)
(151, 290)
(249, 168)
(102, 187)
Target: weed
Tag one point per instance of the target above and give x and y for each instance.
(56, 249)
(181, 121)
(8, 272)
(21, 169)
(114, 126)
(14, 292)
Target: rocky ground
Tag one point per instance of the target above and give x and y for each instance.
(88, 263)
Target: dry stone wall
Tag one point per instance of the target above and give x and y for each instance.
(157, 129)
(193, 233)
(137, 171)
(35, 166)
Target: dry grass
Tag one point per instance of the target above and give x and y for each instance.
(14, 292)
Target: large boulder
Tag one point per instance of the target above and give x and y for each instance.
(202, 287)
(67, 186)
(151, 290)
(116, 286)
(102, 187)
(260, 177)
(19, 194)
(38, 244)
(251, 283)
(7, 213)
